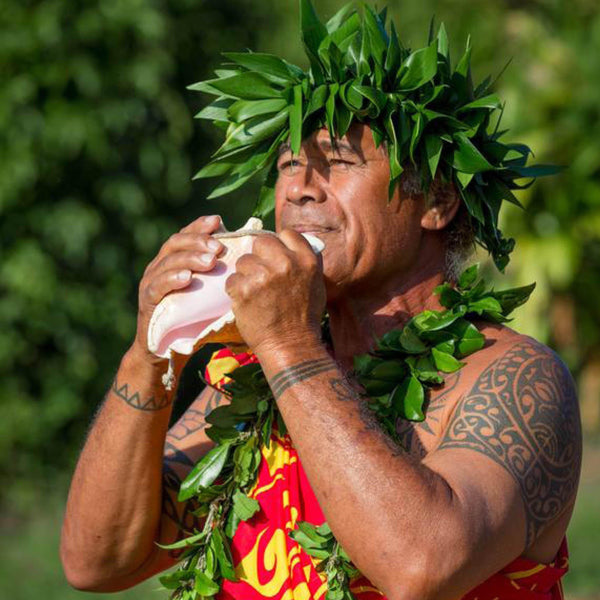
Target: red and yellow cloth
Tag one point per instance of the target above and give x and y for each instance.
(269, 564)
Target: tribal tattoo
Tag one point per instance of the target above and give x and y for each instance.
(182, 514)
(176, 462)
(410, 432)
(134, 399)
(292, 375)
(523, 413)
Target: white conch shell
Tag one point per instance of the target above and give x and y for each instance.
(201, 313)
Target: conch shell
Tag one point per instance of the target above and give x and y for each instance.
(200, 314)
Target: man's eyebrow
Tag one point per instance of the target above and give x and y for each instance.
(325, 145)
(283, 148)
(336, 146)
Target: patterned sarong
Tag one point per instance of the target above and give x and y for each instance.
(269, 564)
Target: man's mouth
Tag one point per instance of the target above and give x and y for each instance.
(311, 228)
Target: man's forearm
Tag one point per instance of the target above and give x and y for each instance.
(114, 504)
(373, 494)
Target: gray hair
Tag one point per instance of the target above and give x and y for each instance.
(460, 236)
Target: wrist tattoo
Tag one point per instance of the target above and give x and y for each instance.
(300, 372)
(154, 403)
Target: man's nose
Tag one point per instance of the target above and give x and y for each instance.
(301, 190)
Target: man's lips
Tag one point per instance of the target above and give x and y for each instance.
(310, 228)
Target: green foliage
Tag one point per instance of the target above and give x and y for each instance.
(407, 361)
(96, 145)
(427, 111)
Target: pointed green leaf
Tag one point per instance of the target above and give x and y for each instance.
(296, 121)
(221, 548)
(248, 85)
(246, 109)
(513, 298)
(421, 67)
(184, 543)
(433, 147)
(491, 101)
(467, 157)
(216, 111)
(442, 42)
(204, 586)
(313, 31)
(269, 66)
(205, 472)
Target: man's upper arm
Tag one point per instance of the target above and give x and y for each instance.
(521, 414)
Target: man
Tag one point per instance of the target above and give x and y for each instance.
(489, 476)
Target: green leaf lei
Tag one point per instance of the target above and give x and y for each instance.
(395, 376)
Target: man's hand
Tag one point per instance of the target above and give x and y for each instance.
(278, 292)
(190, 250)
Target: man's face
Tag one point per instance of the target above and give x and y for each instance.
(340, 194)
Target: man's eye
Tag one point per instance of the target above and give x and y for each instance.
(289, 165)
(339, 164)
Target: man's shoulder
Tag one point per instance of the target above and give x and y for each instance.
(525, 364)
(520, 410)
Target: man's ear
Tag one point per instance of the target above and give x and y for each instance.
(441, 205)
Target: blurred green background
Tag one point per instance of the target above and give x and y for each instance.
(97, 150)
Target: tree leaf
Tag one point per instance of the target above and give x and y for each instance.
(468, 277)
(433, 147)
(244, 506)
(184, 543)
(445, 362)
(421, 67)
(491, 102)
(411, 342)
(482, 305)
(467, 157)
(205, 472)
(296, 121)
(390, 370)
(241, 110)
(408, 398)
(268, 65)
(513, 298)
(223, 554)
(248, 85)
(204, 586)
(313, 31)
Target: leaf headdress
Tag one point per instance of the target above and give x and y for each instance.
(428, 113)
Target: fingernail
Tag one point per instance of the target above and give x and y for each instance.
(207, 258)
(213, 245)
(184, 275)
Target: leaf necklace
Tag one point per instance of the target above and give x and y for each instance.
(396, 375)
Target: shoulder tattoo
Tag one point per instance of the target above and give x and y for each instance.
(523, 413)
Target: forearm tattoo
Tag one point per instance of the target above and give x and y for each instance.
(302, 371)
(177, 462)
(522, 412)
(152, 404)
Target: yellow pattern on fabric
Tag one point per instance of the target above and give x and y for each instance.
(528, 573)
(277, 559)
(218, 367)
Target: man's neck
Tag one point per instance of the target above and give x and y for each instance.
(358, 318)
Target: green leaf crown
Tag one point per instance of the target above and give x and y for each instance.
(427, 112)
